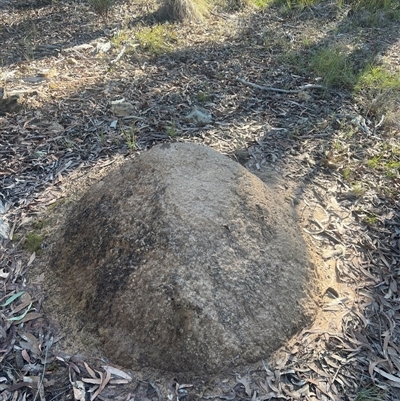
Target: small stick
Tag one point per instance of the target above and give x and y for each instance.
(40, 384)
(121, 53)
(272, 89)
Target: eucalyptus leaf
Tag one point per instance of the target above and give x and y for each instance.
(20, 317)
(13, 298)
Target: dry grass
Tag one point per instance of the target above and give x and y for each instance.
(185, 10)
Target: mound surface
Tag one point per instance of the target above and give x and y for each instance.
(183, 260)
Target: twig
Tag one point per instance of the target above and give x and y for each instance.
(380, 123)
(40, 384)
(67, 388)
(272, 89)
(120, 54)
(313, 136)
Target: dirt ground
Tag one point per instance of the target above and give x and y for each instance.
(77, 108)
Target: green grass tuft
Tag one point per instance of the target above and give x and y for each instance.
(370, 394)
(374, 162)
(120, 38)
(392, 169)
(346, 173)
(378, 79)
(296, 4)
(259, 3)
(130, 138)
(370, 220)
(171, 130)
(334, 67)
(377, 90)
(158, 39)
(373, 5)
(203, 97)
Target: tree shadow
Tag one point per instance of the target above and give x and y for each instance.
(37, 33)
(342, 112)
(218, 66)
(291, 68)
(295, 116)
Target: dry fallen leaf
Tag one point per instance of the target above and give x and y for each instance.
(246, 384)
(117, 372)
(79, 390)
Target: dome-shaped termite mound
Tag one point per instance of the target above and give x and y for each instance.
(183, 260)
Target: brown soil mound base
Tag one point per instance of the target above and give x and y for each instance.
(183, 260)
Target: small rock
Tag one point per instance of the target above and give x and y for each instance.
(10, 102)
(55, 128)
(122, 109)
(102, 47)
(242, 155)
(33, 80)
(199, 116)
(304, 96)
(72, 61)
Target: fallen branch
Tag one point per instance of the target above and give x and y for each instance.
(272, 89)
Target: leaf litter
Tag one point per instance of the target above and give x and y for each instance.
(61, 123)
